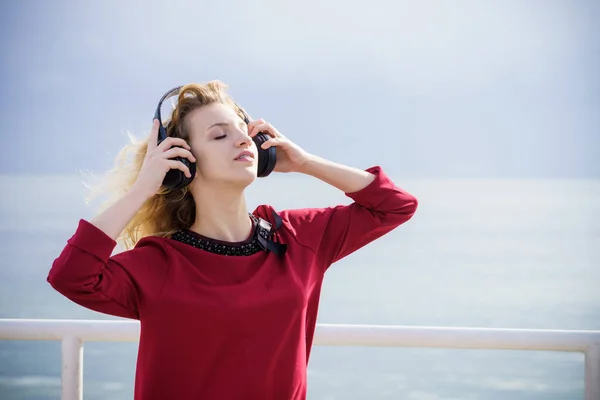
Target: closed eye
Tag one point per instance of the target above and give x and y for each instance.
(220, 137)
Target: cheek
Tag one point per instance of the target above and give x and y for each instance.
(209, 158)
(198, 150)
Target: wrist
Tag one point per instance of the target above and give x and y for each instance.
(310, 165)
(138, 195)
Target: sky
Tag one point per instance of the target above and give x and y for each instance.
(428, 89)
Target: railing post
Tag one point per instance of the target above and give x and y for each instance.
(592, 372)
(72, 368)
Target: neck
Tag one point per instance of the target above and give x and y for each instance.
(222, 214)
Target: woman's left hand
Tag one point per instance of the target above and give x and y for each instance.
(290, 156)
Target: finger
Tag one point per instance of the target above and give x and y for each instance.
(173, 164)
(179, 152)
(153, 137)
(252, 124)
(265, 128)
(172, 141)
(271, 142)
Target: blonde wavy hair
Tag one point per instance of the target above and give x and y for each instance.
(168, 210)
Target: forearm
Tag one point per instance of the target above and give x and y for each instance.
(115, 218)
(345, 178)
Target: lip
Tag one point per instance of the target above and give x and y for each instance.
(244, 153)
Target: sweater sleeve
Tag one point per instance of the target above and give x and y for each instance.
(87, 274)
(335, 232)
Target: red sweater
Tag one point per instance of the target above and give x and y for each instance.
(226, 327)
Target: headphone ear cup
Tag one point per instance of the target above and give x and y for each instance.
(266, 158)
(176, 179)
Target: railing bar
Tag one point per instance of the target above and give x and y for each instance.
(72, 368)
(592, 372)
(327, 334)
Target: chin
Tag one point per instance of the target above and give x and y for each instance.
(242, 177)
(237, 176)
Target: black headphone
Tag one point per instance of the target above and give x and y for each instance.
(176, 179)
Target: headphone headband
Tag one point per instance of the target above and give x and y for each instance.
(162, 132)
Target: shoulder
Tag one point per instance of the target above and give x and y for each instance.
(304, 225)
(294, 218)
(149, 252)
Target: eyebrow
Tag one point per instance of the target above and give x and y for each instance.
(222, 124)
(217, 124)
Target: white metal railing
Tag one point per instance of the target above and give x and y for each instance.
(73, 333)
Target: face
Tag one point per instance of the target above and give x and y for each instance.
(220, 142)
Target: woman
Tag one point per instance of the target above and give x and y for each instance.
(227, 299)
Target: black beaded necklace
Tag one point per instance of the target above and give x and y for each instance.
(252, 245)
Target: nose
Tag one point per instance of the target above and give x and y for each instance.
(243, 140)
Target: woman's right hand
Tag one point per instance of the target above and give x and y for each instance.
(158, 161)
